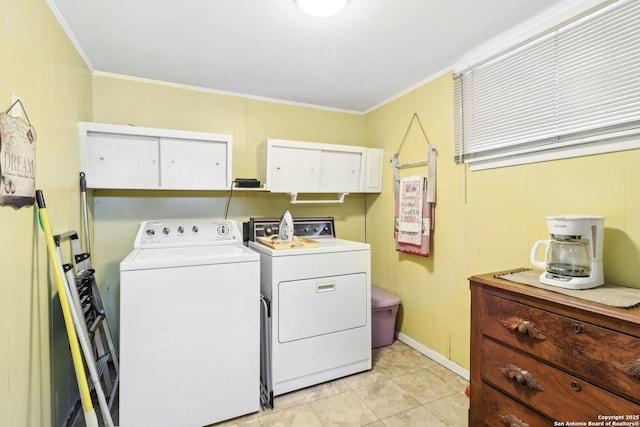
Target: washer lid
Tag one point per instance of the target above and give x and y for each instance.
(143, 259)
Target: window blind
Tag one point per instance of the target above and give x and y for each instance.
(578, 85)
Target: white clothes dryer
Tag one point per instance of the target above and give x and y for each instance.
(316, 321)
(189, 325)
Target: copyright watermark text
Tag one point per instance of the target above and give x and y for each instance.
(604, 421)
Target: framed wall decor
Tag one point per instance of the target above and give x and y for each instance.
(17, 159)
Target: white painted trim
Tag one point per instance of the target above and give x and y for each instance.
(222, 92)
(409, 89)
(433, 355)
(562, 11)
(56, 12)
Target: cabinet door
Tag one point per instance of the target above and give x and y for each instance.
(373, 170)
(341, 171)
(295, 169)
(122, 161)
(193, 164)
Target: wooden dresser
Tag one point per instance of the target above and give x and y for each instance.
(540, 358)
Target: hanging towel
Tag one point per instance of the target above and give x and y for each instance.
(414, 217)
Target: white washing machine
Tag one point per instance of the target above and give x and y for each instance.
(316, 323)
(189, 325)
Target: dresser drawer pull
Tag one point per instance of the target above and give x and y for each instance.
(631, 368)
(576, 328)
(512, 421)
(521, 376)
(523, 327)
(575, 386)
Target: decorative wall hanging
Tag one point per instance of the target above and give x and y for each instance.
(415, 201)
(17, 159)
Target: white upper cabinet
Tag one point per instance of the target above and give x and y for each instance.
(131, 157)
(286, 166)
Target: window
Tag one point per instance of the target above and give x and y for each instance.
(570, 92)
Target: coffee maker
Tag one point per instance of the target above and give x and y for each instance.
(573, 255)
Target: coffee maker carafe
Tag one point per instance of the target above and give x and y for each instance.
(573, 256)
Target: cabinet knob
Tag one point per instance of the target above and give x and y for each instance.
(520, 376)
(576, 328)
(523, 327)
(575, 386)
(511, 420)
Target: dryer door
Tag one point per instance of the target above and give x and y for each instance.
(312, 307)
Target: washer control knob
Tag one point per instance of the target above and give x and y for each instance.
(306, 229)
(223, 229)
(195, 229)
(180, 229)
(315, 229)
(150, 232)
(165, 230)
(268, 231)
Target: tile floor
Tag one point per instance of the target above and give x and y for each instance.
(404, 388)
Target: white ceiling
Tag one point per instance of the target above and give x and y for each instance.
(368, 54)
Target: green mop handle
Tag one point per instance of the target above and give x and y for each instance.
(85, 395)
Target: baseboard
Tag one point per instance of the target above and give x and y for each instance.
(435, 356)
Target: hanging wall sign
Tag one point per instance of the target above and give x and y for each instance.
(17, 160)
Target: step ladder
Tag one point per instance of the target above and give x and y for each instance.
(94, 333)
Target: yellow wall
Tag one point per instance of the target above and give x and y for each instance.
(434, 292)
(117, 214)
(39, 64)
(486, 220)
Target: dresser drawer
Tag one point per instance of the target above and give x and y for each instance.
(590, 352)
(499, 410)
(554, 393)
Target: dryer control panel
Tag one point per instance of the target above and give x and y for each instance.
(187, 232)
(312, 228)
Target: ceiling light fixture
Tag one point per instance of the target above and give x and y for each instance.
(321, 8)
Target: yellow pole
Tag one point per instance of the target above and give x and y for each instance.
(90, 416)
